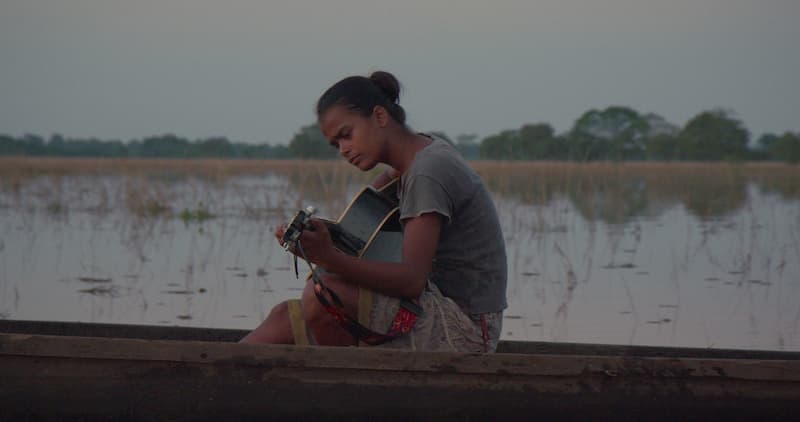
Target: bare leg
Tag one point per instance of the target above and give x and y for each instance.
(276, 329)
(325, 329)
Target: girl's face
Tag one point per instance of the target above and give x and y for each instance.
(357, 138)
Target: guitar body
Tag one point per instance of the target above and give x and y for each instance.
(369, 227)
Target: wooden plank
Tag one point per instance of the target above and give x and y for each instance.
(538, 347)
(115, 389)
(85, 377)
(262, 380)
(518, 347)
(153, 332)
(375, 359)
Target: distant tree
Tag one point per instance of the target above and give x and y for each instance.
(309, 142)
(531, 141)
(658, 125)
(766, 140)
(785, 148)
(760, 149)
(662, 139)
(714, 135)
(56, 145)
(168, 145)
(616, 133)
(212, 147)
(34, 145)
(135, 148)
(500, 146)
(155, 146)
(538, 142)
(114, 148)
(249, 151)
(276, 151)
(10, 146)
(663, 146)
(89, 148)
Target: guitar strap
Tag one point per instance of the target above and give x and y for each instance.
(403, 322)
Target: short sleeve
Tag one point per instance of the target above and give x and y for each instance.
(422, 194)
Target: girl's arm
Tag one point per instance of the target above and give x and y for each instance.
(405, 279)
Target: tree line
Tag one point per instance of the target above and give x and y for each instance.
(613, 134)
(622, 134)
(162, 146)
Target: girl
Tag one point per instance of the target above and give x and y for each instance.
(453, 255)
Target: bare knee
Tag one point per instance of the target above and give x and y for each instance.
(323, 326)
(313, 311)
(280, 310)
(275, 329)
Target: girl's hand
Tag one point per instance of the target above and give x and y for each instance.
(317, 244)
(279, 231)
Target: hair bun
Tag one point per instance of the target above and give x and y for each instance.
(387, 83)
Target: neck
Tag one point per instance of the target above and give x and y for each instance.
(402, 148)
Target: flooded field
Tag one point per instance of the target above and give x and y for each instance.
(703, 255)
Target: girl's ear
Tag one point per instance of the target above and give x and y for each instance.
(380, 115)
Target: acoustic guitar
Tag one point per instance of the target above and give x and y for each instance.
(369, 228)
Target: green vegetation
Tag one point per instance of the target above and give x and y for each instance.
(56, 207)
(613, 134)
(145, 203)
(309, 142)
(199, 215)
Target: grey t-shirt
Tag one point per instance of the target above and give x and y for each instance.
(470, 262)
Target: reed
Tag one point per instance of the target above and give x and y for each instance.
(615, 191)
(606, 191)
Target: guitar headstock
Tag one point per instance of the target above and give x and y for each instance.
(301, 221)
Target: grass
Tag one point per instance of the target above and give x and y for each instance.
(606, 191)
(56, 207)
(146, 201)
(198, 215)
(613, 192)
(16, 168)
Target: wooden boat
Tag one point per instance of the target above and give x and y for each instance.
(59, 370)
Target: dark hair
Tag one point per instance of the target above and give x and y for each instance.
(362, 94)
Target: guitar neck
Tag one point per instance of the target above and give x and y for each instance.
(343, 240)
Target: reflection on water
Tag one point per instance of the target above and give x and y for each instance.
(688, 255)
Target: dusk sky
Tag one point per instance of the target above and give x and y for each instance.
(253, 70)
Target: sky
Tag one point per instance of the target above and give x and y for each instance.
(252, 70)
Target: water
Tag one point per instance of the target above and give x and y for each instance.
(646, 267)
